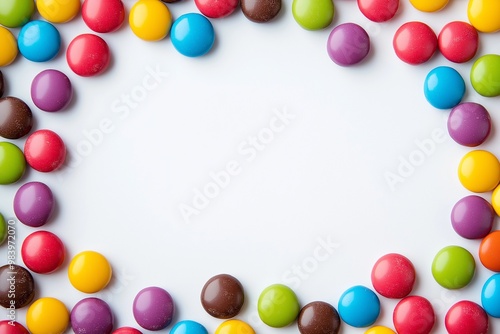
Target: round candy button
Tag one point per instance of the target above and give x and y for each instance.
(458, 41)
(222, 296)
(127, 330)
(88, 55)
(45, 151)
(15, 13)
(490, 296)
(278, 306)
(103, 16)
(16, 118)
(466, 317)
(378, 10)
(150, 20)
(429, 5)
(91, 315)
(39, 41)
(57, 11)
(42, 252)
(359, 306)
(444, 87)
(15, 278)
(188, 327)
(415, 43)
(479, 171)
(33, 204)
(313, 14)
(453, 267)
(472, 217)
(192, 35)
(379, 330)
(51, 90)
(153, 308)
(12, 327)
(234, 327)
(469, 124)
(348, 44)
(89, 272)
(260, 10)
(12, 163)
(318, 317)
(484, 15)
(9, 47)
(47, 315)
(393, 276)
(413, 315)
(485, 75)
(216, 8)
(489, 250)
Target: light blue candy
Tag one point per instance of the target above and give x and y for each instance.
(444, 87)
(39, 41)
(188, 327)
(490, 296)
(359, 306)
(192, 35)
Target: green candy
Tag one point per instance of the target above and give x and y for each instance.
(313, 14)
(453, 267)
(485, 75)
(3, 229)
(16, 13)
(12, 163)
(278, 306)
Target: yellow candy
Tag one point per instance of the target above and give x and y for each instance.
(495, 200)
(150, 20)
(234, 327)
(8, 47)
(380, 330)
(484, 15)
(479, 171)
(429, 5)
(47, 316)
(58, 11)
(89, 272)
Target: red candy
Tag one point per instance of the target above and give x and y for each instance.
(466, 317)
(88, 55)
(42, 252)
(413, 315)
(126, 330)
(7, 327)
(44, 151)
(378, 10)
(458, 41)
(393, 276)
(216, 8)
(103, 16)
(415, 43)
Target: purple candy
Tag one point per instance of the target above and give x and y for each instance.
(33, 204)
(472, 217)
(348, 44)
(469, 124)
(91, 316)
(51, 90)
(153, 308)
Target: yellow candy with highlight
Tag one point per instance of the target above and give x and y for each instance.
(58, 11)
(8, 45)
(495, 200)
(89, 272)
(429, 5)
(47, 316)
(234, 327)
(150, 20)
(479, 171)
(379, 330)
(484, 15)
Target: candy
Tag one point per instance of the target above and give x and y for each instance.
(379, 330)
(378, 10)
(51, 90)
(429, 5)
(88, 55)
(216, 8)
(222, 296)
(9, 47)
(484, 15)
(16, 118)
(489, 250)
(3, 229)
(359, 306)
(444, 87)
(89, 272)
(57, 11)
(103, 16)
(150, 20)
(278, 306)
(42, 252)
(490, 296)
(234, 327)
(469, 124)
(15, 13)
(192, 35)
(348, 44)
(39, 41)
(33, 204)
(393, 276)
(318, 317)
(153, 308)
(415, 43)
(485, 75)
(479, 171)
(453, 267)
(127, 330)
(47, 315)
(12, 327)
(313, 14)
(472, 217)
(413, 315)
(91, 316)
(466, 317)
(15, 278)
(188, 327)
(12, 163)
(45, 151)
(458, 41)
(260, 11)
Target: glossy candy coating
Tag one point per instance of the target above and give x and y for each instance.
(12, 327)
(444, 87)
(150, 20)
(92, 316)
(318, 317)
(47, 315)
(348, 44)
(379, 330)
(484, 15)
(278, 306)
(216, 8)
(12, 163)
(469, 124)
(414, 315)
(188, 327)
(153, 308)
(490, 296)
(39, 41)
(378, 10)
(127, 330)
(260, 11)
(489, 250)
(88, 55)
(57, 11)
(222, 296)
(453, 267)
(192, 35)
(466, 317)
(359, 306)
(15, 13)
(33, 204)
(103, 16)
(429, 5)
(234, 327)
(89, 272)
(16, 118)
(458, 41)
(45, 151)
(9, 47)
(42, 252)
(479, 171)
(16, 278)
(472, 217)
(485, 75)
(415, 43)
(313, 14)
(393, 276)
(51, 90)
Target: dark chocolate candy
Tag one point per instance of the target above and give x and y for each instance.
(17, 287)
(318, 318)
(260, 11)
(222, 296)
(16, 118)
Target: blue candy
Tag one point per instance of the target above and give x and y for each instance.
(192, 35)
(188, 327)
(444, 87)
(39, 41)
(359, 306)
(490, 296)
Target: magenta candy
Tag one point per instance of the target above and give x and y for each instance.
(92, 316)
(348, 44)
(51, 90)
(472, 217)
(33, 204)
(469, 124)
(153, 308)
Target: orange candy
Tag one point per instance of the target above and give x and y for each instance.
(489, 251)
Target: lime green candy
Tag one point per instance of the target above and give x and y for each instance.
(313, 14)
(3, 229)
(12, 163)
(15, 13)
(453, 267)
(278, 306)
(485, 75)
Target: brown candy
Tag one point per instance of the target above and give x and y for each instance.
(17, 287)
(16, 118)
(318, 317)
(170, 1)
(260, 11)
(2, 84)
(222, 296)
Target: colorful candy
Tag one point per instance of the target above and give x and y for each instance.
(92, 315)
(415, 43)
(413, 315)
(479, 171)
(127, 330)
(359, 306)
(469, 124)
(458, 41)
(393, 276)
(16, 118)
(495, 200)
(234, 327)
(88, 55)
(485, 75)
(490, 296)
(42, 252)
(150, 20)
(466, 317)
(313, 14)
(188, 327)
(3, 229)
(378, 10)
(57, 11)
(379, 330)
(51, 90)
(278, 306)
(260, 11)
(484, 15)
(348, 44)
(453, 267)
(45, 151)
(472, 217)
(9, 47)
(89, 272)
(16, 13)
(444, 87)
(39, 41)
(34, 204)
(429, 5)
(153, 308)
(17, 287)
(12, 327)
(489, 250)
(318, 317)
(12, 163)
(222, 296)
(47, 315)
(216, 8)
(192, 35)
(103, 16)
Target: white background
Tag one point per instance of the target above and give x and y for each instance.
(321, 178)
